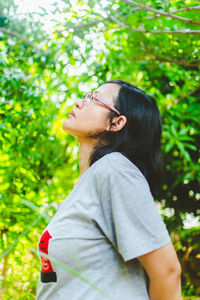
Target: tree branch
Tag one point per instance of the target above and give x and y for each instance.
(186, 31)
(181, 62)
(16, 34)
(77, 27)
(159, 12)
(188, 8)
(173, 61)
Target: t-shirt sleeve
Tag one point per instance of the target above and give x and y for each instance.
(129, 217)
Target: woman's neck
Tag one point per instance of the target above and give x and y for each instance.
(85, 150)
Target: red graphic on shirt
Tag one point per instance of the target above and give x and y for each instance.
(43, 247)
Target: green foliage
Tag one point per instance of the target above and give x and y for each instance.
(32, 154)
(93, 42)
(187, 245)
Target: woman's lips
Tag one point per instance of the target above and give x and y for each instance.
(72, 114)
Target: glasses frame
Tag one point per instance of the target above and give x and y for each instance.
(94, 95)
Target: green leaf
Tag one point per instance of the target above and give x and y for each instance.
(184, 152)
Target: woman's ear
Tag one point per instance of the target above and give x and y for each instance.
(117, 123)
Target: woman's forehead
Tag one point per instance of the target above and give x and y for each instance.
(109, 91)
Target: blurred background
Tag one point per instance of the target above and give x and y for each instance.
(53, 52)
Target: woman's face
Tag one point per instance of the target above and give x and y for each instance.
(89, 118)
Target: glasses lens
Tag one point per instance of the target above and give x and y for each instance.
(90, 96)
(84, 99)
(87, 98)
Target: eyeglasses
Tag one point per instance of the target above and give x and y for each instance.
(92, 96)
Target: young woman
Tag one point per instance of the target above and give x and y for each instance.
(108, 232)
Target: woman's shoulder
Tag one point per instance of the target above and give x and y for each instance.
(116, 162)
(118, 169)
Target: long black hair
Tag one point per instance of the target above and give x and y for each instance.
(139, 140)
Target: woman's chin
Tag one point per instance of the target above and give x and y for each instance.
(66, 126)
(68, 129)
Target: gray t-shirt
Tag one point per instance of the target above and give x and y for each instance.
(99, 230)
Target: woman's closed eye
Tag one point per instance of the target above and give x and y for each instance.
(88, 98)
